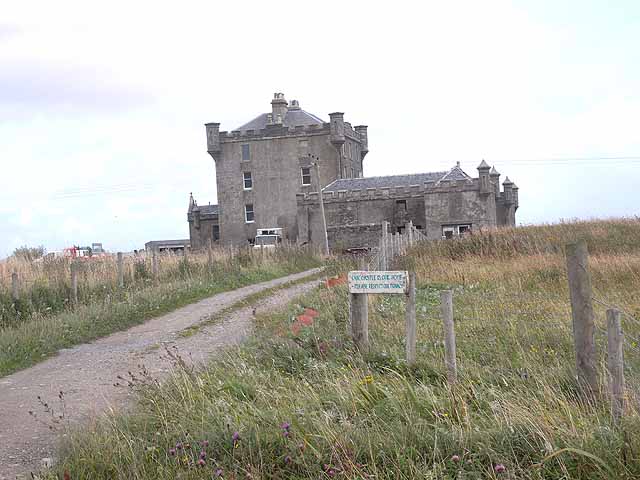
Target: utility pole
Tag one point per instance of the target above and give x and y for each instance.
(323, 219)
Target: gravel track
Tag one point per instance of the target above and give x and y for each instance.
(87, 373)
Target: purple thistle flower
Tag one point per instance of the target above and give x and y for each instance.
(172, 452)
(218, 472)
(500, 468)
(287, 459)
(203, 454)
(455, 458)
(285, 426)
(202, 462)
(286, 433)
(235, 437)
(205, 443)
(179, 446)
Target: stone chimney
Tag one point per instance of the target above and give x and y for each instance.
(278, 107)
(294, 105)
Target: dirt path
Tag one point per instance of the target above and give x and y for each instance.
(87, 373)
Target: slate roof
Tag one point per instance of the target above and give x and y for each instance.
(456, 173)
(294, 117)
(208, 209)
(383, 182)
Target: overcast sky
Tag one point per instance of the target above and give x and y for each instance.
(102, 105)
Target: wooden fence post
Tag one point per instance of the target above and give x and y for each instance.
(210, 256)
(446, 308)
(74, 282)
(615, 363)
(409, 230)
(410, 320)
(154, 264)
(120, 270)
(384, 245)
(582, 313)
(15, 287)
(359, 315)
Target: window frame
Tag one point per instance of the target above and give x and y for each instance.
(302, 175)
(246, 213)
(244, 181)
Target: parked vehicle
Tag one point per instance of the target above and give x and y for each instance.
(268, 238)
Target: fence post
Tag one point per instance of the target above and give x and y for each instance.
(74, 282)
(446, 309)
(210, 256)
(120, 270)
(15, 287)
(359, 315)
(409, 229)
(410, 320)
(582, 314)
(615, 363)
(154, 264)
(383, 243)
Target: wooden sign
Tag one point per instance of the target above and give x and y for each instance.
(378, 282)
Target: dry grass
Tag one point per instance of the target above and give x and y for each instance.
(44, 319)
(517, 405)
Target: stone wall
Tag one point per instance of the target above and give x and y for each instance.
(201, 234)
(342, 237)
(455, 204)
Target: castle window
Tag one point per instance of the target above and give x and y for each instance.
(216, 232)
(248, 213)
(401, 205)
(450, 231)
(245, 152)
(306, 175)
(247, 180)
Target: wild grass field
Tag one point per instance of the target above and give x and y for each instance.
(44, 319)
(307, 405)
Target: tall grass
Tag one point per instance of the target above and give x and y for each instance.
(308, 406)
(44, 320)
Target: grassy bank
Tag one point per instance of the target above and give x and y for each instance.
(40, 334)
(309, 406)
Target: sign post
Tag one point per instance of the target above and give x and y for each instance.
(361, 284)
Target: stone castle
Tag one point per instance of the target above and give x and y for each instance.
(269, 172)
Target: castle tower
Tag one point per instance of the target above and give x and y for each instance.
(262, 165)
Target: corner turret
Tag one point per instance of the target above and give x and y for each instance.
(494, 177)
(361, 130)
(337, 129)
(483, 173)
(508, 191)
(213, 139)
